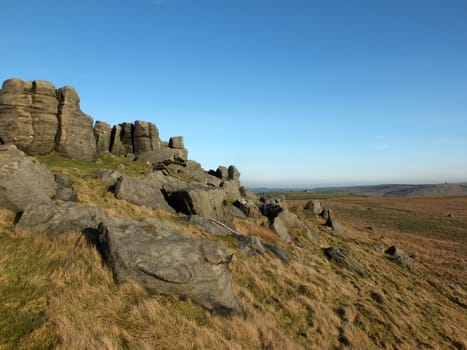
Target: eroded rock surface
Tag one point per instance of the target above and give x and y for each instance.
(167, 262)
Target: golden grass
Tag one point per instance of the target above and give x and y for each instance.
(59, 294)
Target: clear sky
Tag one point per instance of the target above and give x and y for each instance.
(293, 92)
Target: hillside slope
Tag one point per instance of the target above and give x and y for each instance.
(60, 293)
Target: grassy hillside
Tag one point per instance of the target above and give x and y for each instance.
(59, 294)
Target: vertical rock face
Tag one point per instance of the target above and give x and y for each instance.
(126, 136)
(145, 137)
(116, 146)
(75, 136)
(102, 133)
(176, 142)
(28, 115)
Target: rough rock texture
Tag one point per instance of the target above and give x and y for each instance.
(102, 133)
(75, 135)
(64, 189)
(55, 218)
(23, 180)
(165, 155)
(250, 245)
(233, 174)
(332, 223)
(108, 177)
(315, 206)
(176, 142)
(148, 191)
(194, 171)
(116, 145)
(209, 225)
(221, 172)
(167, 262)
(145, 137)
(280, 253)
(28, 115)
(201, 200)
(343, 259)
(126, 136)
(232, 190)
(400, 257)
(248, 207)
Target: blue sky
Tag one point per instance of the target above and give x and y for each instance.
(294, 93)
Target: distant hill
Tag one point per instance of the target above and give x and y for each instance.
(426, 190)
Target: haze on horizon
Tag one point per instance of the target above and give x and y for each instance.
(294, 93)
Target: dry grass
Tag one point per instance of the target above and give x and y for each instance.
(58, 294)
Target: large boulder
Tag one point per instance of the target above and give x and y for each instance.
(55, 218)
(165, 261)
(102, 133)
(315, 206)
(145, 137)
(149, 191)
(201, 200)
(23, 180)
(75, 136)
(28, 115)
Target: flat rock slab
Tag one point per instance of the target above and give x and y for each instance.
(59, 217)
(167, 262)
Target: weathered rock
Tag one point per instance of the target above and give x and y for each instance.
(315, 206)
(343, 259)
(149, 191)
(336, 226)
(201, 200)
(145, 137)
(280, 228)
(209, 225)
(126, 136)
(232, 190)
(23, 180)
(116, 145)
(282, 254)
(327, 213)
(165, 261)
(400, 257)
(28, 115)
(108, 177)
(102, 133)
(55, 218)
(64, 189)
(75, 136)
(221, 173)
(249, 245)
(176, 142)
(192, 170)
(164, 155)
(247, 194)
(233, 174)
(248, 207)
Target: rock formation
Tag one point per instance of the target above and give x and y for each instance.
(167, 262)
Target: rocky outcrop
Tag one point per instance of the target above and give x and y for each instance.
(165, 261)
(145, 137)
(55, 218)
(28, 115)
(75, 136)
(102, 133)
(40, 119)
(201, 200)
(165, 155)
(23, 180)
(148, 191)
